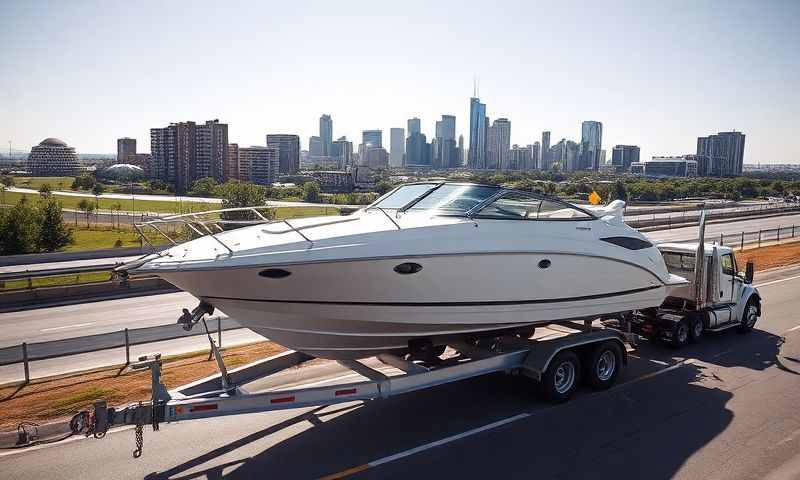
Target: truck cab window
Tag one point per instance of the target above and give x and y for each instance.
(727, 264)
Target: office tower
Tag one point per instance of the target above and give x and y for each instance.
(260, 164)
(446, 150)
(315, 147)
(125, 146)
(591, 143)
(544, 152)
(461, 150)
(53, 157)
(676, 166)
(721, 155)
(535, 155)
(343, 152)
(477, 134)
(231, 170)
(288, 151)
(372, 138)
(414, 126)
(397, 145)
(376, 157)
(326, 134)
(622, 156)
(565, 156)
(498, 145)
(417, 150)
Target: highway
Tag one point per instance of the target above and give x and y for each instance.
(722, 409)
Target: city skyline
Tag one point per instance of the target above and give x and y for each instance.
(640, 87)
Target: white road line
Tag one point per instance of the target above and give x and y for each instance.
(793, 329)
(778, 281)
(53, 329)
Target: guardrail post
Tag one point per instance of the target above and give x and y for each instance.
(219, 332)
(127, 349)
(778, 235)
(759, 239)
(721, 239)
(792, 231)
(25, 362)
(742, 246)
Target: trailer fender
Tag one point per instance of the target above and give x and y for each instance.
(539, 358)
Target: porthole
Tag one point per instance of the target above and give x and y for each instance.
(274, 273)
(544, 263)
(408, 268)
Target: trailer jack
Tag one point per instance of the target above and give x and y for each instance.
(189, 319)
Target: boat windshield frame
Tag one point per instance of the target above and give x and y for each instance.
(474, 212)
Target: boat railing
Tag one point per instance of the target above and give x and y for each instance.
(212, 222)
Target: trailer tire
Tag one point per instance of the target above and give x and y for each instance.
(603, 365)
(696, 329)
(680, 334)
(561, 378)
(749, 317)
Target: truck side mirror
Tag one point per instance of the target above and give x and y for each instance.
(748, 272)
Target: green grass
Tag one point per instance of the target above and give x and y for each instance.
(72, 402)
(36, 182)
(100, 238)
(56, 281)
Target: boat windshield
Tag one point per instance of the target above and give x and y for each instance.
(450, 199)
(521, 206)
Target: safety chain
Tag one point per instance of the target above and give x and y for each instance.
(139, 434)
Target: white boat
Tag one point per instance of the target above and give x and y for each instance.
(422, 264)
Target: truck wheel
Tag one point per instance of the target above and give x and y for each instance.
(561, 378)
(603, 365)
(749, 317)
(680, 334)
(696, 331)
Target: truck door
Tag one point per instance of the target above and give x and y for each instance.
(727, 278)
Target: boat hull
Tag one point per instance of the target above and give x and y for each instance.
(358, 308)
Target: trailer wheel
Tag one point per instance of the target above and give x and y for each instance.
(603, 365)
(680, 334)
(697, 327)
(561, 378)
(749, 317)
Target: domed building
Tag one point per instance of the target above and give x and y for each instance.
(53, 158)
(123, 171)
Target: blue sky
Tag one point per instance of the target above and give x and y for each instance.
(657, 74)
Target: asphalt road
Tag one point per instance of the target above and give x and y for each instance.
(722, 409)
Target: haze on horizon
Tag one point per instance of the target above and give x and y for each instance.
(657, 74)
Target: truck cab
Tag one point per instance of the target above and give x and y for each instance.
(716, 297)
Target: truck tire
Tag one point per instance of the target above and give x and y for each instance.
(696, 328)
(680, 334)
(603, 365)
(749, 317)
(561, 377)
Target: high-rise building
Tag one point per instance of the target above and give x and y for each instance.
(498, 145)
(591, 144)
(446, 151)
(261, 164)
(565, 156)
(343, 152)
(414, 126)
(125, 146)
(376, 157)
(520, 158)
(477, 134)
(185, 152)
(536, 149)
(461, 151)
(417, 150)
(326, 134)
(288, 151)
(231, 170)
(544, 152)
(622, 156)
(722, 155)
(397, 144)
(678, 166)
(372, 138)
(315, 147)
(53, 157)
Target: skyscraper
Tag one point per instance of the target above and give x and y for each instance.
(461, 150)
(125, 146)
(372, 138)
(315, 147)
(591, 144)
(520, 158)
(288, 151)
(326, 134)
(622, 156)
(343, 152)
(544, 152)
(446, 152)
(417, 150)
(498, 145)
(231, 169)
(397, 144)
(721, 155)
(185, 152)
(477, 134)
(414, 126)
(535, 155)
(262, 164)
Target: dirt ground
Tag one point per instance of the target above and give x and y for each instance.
(62, 397)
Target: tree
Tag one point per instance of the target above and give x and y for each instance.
(19, 229)
(204, 187)
(240, 194)
(53, 233)
(117, 207)
(620, 193)
(86, 207)
(45, 191)
(383, 186)
(311, 192)
(7, 181)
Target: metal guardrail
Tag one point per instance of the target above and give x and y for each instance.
(30, 352)
(755, 237)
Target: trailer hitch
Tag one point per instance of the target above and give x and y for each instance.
(189, 319)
